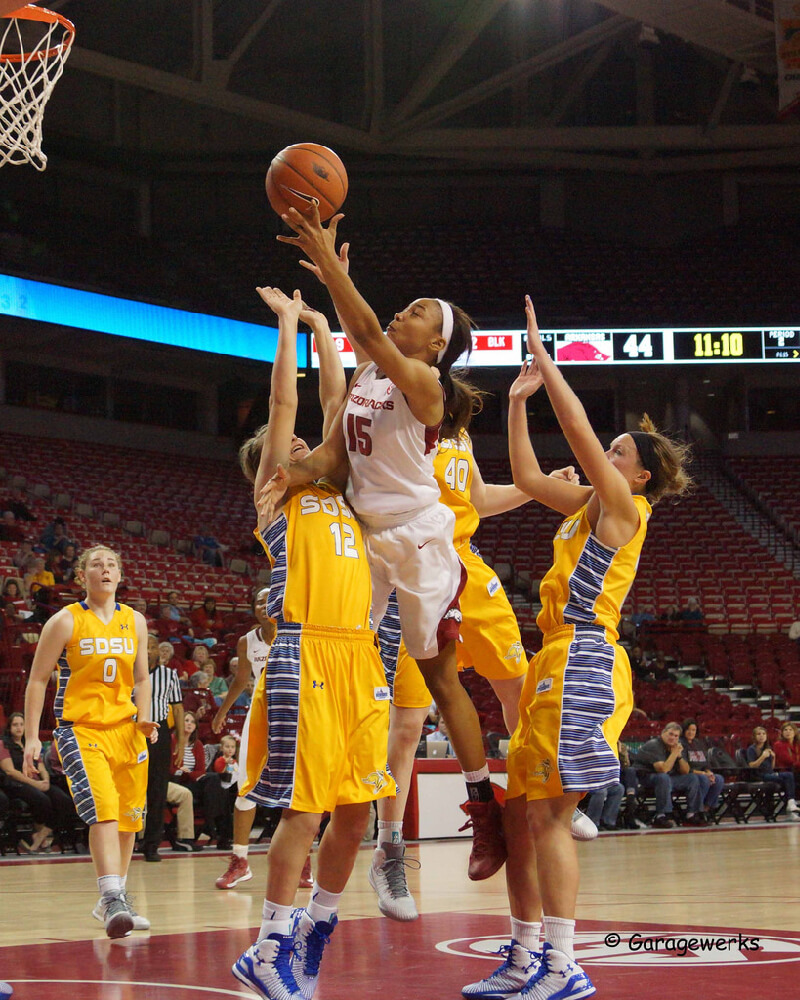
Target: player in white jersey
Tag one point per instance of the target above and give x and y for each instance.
(252, 651)
(387, 432)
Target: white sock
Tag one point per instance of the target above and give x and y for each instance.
(275, 919)
(526, 934)
(389, 832)
(109, 885)
(324, 905)
(240, 850)
(560, 934)
(473, 777)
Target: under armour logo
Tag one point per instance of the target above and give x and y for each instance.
(318, 684)
(123, 627)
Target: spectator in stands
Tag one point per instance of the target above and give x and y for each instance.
(24, 557)
(64, 565)
(638, 663)
(172, 609)
(647, 614)
(216, 684)
(14, 603)
(50, 807)
(602, 807)
(666, 771)
(697, 752)
(230, 670)
(242, 703)
(210, 550)
(191, 774)
(627, 627)
(55, 535)
(224, 774)
(200, 657)
(207, 618)
(10, 531)
(670, 615)
(761, 759)
(202, 703)
(691, 614)
(630, 781)
(38, 577)
(787, 750)
(794, 631)
(658, 668)
(167, 658)
(18, 506)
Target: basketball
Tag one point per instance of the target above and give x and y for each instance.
(305, 171)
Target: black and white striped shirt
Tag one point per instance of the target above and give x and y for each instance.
(166, 691)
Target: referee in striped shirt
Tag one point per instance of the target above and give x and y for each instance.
(166, 691)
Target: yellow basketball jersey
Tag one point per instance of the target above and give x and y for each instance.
(454, 468)
(95, 684)
(588, 581)
(320, 573)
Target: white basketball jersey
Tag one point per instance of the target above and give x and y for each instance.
(257, 652)
(391, 452)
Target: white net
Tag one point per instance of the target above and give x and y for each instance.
(32, 56)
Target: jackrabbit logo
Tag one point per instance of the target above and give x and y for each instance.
(690, 947)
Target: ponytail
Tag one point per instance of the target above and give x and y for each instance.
(462, 400)
(669, 476)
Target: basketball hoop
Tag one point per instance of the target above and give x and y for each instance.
(34, 45)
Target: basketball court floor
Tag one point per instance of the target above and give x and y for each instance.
(681, 914)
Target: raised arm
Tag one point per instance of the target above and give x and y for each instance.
(493, 498)
(238, 684)
(559, 494)
(55, 635)
(618, 517)
(332, 380)
(415, 379)
(283, 386)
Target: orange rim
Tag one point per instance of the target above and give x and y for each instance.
(32, 13)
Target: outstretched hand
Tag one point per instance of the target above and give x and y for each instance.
(272, 494)
(534, 340)
(343, 257)
(527, 382)
(317, 242)
(280, 303)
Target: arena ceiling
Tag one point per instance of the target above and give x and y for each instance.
(545, 84)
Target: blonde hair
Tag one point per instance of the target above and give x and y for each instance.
(87, 554)
(250, 454)
(671, 477)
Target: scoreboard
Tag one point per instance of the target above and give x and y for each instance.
(711, 345)
(678, 346)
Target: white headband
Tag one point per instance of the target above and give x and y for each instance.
(447, 326)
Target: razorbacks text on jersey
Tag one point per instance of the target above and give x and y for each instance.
(320, 573)
(96, 681)
(390, 451)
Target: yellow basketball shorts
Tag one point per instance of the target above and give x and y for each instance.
(327, 720)
(107, 772)
(491, 642)
(576, 700)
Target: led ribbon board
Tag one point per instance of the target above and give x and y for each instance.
(46, 303)
(714, 345)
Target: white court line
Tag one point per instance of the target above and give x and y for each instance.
(219, 991)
